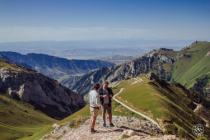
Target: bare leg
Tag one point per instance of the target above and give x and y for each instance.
(93, 121)
(104, 114)
(110, 117)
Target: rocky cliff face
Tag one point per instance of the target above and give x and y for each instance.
(158, 61)
(84, 84)
(42, 92)
(154, 61)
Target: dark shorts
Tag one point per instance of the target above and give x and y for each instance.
(107, 108)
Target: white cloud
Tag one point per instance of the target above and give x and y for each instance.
(26, 33)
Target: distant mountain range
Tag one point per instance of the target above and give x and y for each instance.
(117, 59)
(60, 69)
(90, 49)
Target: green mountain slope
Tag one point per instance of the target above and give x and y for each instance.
(23, 119)
(20, 120)
(193, 62)
(165, 103)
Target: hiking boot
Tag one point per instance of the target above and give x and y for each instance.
(104, 125)
(111, 125)
(92, 130)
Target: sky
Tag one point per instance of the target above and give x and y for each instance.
(95, 20)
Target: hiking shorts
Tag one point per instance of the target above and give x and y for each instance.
(94, 111)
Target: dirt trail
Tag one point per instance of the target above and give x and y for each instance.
(126, 128)
(133, 110)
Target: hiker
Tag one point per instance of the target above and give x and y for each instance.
(94, 101)
(106, 95)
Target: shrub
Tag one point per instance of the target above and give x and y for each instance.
(171, 129)
(181, 133)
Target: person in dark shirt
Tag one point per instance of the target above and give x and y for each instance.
(106, 95)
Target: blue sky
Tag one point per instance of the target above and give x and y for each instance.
(82, 20)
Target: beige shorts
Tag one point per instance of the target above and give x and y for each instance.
(94, 111)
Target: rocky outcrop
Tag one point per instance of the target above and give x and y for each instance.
(42, 92)
(84, 84)
(155, 61)
(203, 113)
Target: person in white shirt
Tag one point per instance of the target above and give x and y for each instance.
(94, 100)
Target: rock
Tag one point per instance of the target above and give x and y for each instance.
(55, 126)
(208, 124)
(170, 137)
(203, 113)
(127, 133)
(164, 137)
(208, 53)
(134, 138)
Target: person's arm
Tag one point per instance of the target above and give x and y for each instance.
(102, 95)
(100, 92)
(98, 100)
(111, 93)
(91, 101)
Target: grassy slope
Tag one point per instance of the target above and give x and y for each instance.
(188, 69)
(168, 104)
(11, 67)
(20, 120)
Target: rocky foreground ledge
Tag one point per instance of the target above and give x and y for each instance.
(126, 128)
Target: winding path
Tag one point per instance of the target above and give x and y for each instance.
(133, 110)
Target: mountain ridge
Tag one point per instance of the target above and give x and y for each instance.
(55, 67)
(144, 64)
(163, 62)
(42, 92)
